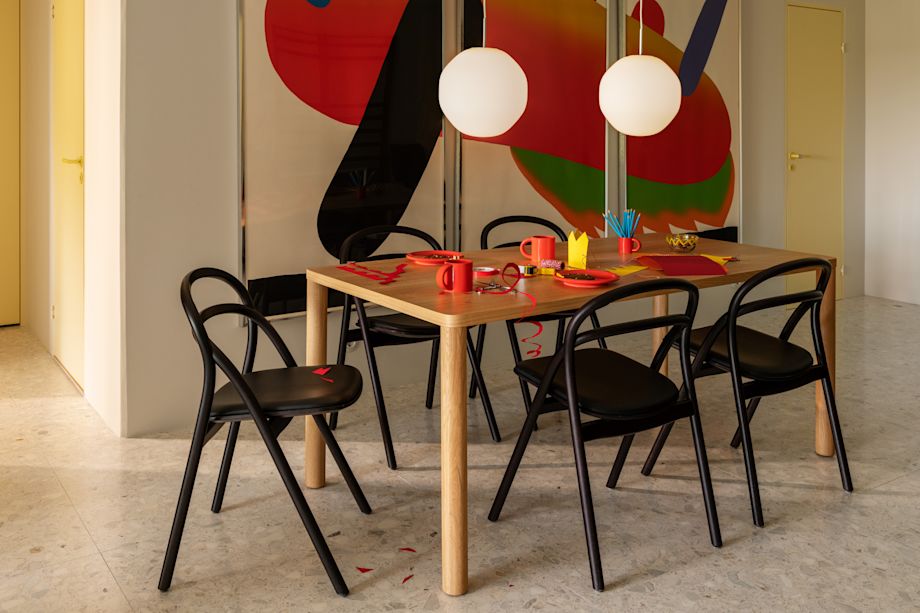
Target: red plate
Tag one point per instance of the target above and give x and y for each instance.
(432, 258)
(598, 278)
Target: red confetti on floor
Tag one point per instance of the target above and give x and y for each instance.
(406, 579)
(363, 570)
(409, 549)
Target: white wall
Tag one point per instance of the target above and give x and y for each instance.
(35, 170)
(763, 73)
(892, 150)
(103, 353)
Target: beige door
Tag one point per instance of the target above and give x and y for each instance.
(814, 136)
(9, 162)
(67, 163)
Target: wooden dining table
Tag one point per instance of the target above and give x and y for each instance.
(415, 292)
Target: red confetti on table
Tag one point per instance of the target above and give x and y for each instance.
(408, 549)
(363, 570)
(406, 579)
(322, 371)
(385, 277)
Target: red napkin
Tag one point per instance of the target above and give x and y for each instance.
(682, 265)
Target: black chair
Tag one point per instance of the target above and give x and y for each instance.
(623, 395)
(763, 365)
(560, 317)
(271, 399)
(395, 329)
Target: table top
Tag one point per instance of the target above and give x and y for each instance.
(415, 292)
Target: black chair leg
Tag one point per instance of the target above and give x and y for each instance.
(709, 498)
(560, 333)
(334, 420)
(834, 418)
(480, 382)
(432, 372)
(480, 343)
(224, 473)
(300, 503)
(752, 408)
(185, 496)
(587, 504)
(620, 461)
(513, 464)
(657, 446)
(353, 486)
(749, 465)
(597, 324)
(381, 407)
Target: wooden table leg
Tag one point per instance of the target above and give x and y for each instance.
(660, 309)
(824, 440)
(454, 566)
(314, 447)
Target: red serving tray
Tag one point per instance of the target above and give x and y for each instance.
(432, 258)
(601, 277)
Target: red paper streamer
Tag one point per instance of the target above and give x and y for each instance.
(511, 276)
(385, 277)
(406, 579)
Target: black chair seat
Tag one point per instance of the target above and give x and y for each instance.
(761, 356)
(290, 391)
(400, 324)
(610, 385)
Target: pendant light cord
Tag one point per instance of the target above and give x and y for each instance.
(483, 23)
(641, 23)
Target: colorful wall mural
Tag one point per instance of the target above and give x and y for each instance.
(342, 128)
(684, 178)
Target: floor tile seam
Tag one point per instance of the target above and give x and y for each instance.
(92, 539)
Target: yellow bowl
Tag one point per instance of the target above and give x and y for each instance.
(682, 243)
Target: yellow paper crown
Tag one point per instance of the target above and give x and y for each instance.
(578, 250)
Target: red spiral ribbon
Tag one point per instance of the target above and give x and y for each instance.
(511, 276)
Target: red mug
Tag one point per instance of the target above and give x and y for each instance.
(628, 245)
(541, 248)
(456, 276)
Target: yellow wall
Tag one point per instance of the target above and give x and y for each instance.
(9, 162)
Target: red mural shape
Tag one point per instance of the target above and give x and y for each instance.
(330, 56)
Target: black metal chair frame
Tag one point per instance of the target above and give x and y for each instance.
(560, 317)
(748, 393)
(684, 407)
(269, 427)
(376, 338)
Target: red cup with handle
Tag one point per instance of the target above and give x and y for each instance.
(629, 245)
(541, 248)
(456, 276)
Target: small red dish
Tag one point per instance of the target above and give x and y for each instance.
(432, 258)
(586, 278)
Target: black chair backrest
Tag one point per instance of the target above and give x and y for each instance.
(806, 301)
(357, 246)
(510, 219)
(680, 325)
(211, 354)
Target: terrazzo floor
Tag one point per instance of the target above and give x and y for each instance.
(84, 515)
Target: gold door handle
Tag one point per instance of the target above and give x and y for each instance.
(79, 161)
(797, 156)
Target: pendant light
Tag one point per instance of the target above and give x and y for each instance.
(483, 91)
(640, 95)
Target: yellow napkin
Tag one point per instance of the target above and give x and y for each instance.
(718, 259)
(622, 271)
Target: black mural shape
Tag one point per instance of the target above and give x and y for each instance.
(396, 137)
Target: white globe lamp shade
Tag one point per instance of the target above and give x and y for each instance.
(640, 95)
(483, 92)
